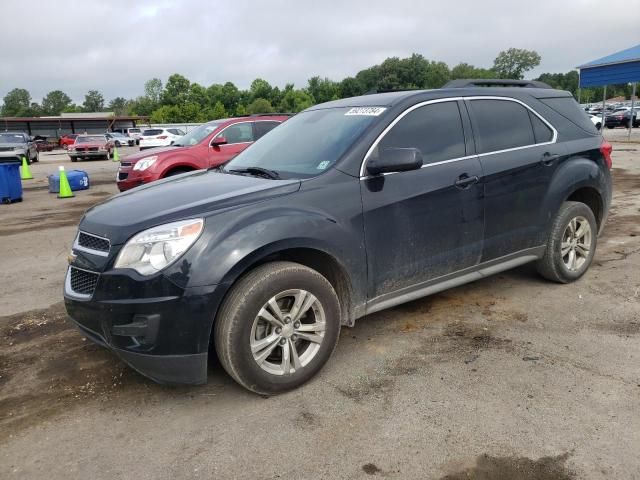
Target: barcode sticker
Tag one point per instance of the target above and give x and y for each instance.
(368, 111)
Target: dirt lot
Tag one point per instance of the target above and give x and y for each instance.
(509, 377)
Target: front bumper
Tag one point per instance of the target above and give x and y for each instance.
(88, 154)
(129, 178)
(159, 329)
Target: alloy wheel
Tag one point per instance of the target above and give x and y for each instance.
(288, 332)
(576, 243)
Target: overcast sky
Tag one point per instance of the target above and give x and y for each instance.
(114, 46)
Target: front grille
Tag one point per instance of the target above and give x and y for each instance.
(6, 149)
(93, 243)
(82, 281)
(122, 175)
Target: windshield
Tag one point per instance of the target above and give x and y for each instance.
(91, 139)
(307, 144)
(196, 135)
(11, 138)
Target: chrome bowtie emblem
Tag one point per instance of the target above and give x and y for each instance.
(71, 257)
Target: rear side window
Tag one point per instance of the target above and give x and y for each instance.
(569, 109)
(238, 133)
(540, 130)
(264, 127)
(435, 130)
(500, 125)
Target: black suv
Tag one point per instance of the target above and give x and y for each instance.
(350, 207)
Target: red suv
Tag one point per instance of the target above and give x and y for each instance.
(209, 145)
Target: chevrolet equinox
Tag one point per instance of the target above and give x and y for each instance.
(348, 208)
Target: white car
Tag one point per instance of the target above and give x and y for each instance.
(159, 137)
(597, 120)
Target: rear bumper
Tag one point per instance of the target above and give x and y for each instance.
(77, 154)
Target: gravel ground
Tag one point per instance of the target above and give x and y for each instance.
(508, 377)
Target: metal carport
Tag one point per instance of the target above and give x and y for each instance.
(617, 68)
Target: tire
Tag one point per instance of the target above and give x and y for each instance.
(238, 328)
(570, 267)
(74, 159)
(37, 158)
(598, 126)
(611, 127)
(118, 144)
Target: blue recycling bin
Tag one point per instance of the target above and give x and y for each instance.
(78, 180)
(10, 183)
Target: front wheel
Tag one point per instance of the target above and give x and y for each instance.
(277, 327)
(571, 244)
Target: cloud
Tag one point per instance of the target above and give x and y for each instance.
(115, 46)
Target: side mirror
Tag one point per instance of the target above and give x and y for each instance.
(395, 160)
(218, 141)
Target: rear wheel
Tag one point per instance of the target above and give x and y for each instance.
(74, 159)
(571, 244)
(277, 327)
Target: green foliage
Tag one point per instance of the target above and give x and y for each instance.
(119, 105)
(464, 70)
(218, 111)
(153, 89)
(260, 105)
(176, 90)
(512, 63)
(295, 101)
(55, 102)
(93, 101)
(323, 90)
(260, 89)
(17, 103)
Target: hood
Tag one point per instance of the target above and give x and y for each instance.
(161, 151)
(199, 193)
(17, 146)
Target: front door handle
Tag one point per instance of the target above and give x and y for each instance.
(548, 159)
(465, 181)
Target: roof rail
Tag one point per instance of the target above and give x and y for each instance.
(275, 114)
(495, 82)
(373, 91)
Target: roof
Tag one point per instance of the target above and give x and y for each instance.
(389, 99)
(623, 56)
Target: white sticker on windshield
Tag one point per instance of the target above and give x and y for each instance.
(369, 111)
(322, 165)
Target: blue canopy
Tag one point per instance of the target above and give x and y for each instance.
(617, 68)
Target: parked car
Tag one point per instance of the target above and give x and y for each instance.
(119, 139)
(131, 132)
(621, 118)
(159, 137)
(350, 207)
(68, 139)
(206, 146)
(91, 146)
(16, 145)
(43, 146)
(596, 120)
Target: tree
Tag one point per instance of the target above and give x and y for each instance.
(93, 101)
(17, 103)
(436, 75)
(55, 102)
(260, 105)
(119, 105)
(295, 101)
(175, 91)
(322, 89)
(153, 90)
(464, 70)
(512, 63)
(260, 89)
(217, 111)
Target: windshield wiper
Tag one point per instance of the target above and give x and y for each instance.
(259, 171)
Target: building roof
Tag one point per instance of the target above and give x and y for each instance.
(623, 56)
(73, 117)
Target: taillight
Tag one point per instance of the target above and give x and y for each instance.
(606, 149)
(162, 137)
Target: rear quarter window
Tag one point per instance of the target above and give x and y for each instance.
(501, 125)
(148, 133)
(569, 109)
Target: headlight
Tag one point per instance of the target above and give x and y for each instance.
(150, 251)
(145, 163)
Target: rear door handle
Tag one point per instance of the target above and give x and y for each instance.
(548, 159)
(465, 181)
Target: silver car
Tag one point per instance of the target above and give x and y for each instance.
(15, 145)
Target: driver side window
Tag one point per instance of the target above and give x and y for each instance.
(238, 133)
